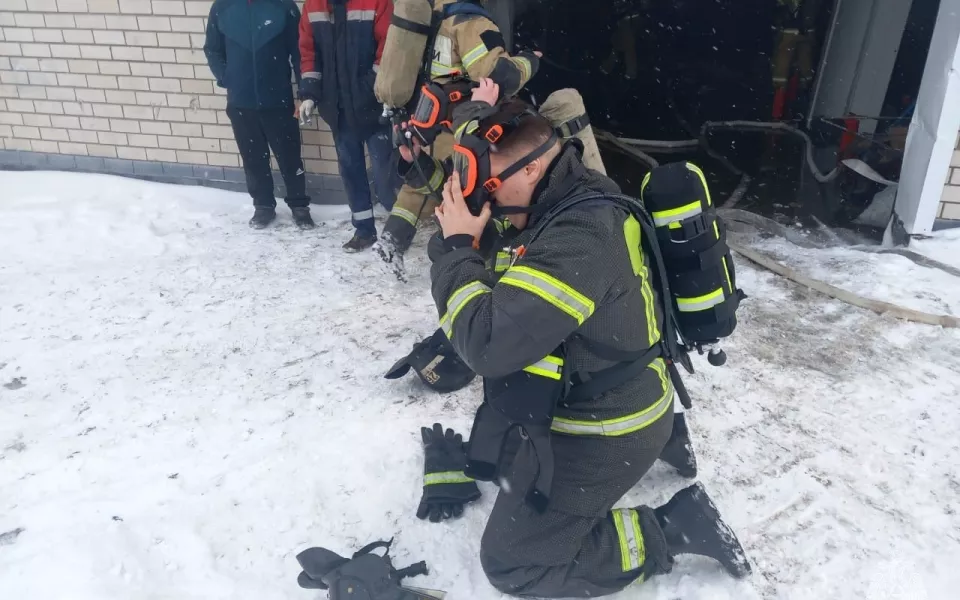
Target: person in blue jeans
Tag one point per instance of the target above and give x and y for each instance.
(341, 42)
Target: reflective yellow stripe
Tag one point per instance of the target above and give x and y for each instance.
(438, 69)
(633, 552)
(701, 302)
(404, 214)
(695, 169)
(672, 215)
(458, 300)
(474, 55)
(550, 289)
(503, 262)
(548, 366)
(649, 306)
(623, 425)
(459, 132)
(436, 180)
(524, 65)
(632, 235)
(446, 477)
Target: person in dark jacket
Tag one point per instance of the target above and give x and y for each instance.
(586, 284)
(341, 42)
(251, 48)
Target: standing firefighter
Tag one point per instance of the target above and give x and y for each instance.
(568, 332)
(464, 45)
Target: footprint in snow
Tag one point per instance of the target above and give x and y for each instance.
(9, 538)
(16, 383)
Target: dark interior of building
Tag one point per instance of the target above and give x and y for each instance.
(660, 69)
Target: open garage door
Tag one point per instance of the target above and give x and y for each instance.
(843, 73)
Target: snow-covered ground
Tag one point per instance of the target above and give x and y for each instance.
(186, 403)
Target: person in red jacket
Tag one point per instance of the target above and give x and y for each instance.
(341, 42)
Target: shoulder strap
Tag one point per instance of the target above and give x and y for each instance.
(373, 546)
(671, 349)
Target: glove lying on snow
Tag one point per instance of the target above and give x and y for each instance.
(445, 488)
(366, 575)
(436, 363)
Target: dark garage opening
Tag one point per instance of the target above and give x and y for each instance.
(659, 69)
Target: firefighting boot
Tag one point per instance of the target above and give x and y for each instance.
(678, 453)
(691, 524)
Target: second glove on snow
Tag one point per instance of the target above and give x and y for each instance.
(445, 488)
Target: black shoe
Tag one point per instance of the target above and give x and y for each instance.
(359, 242)
(301, 216)
(262, 216)
(691, 524)
(678, 453)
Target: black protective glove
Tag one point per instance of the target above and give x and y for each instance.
(445, 488)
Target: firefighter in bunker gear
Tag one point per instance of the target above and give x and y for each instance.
(469, 45)
(565, 111)
(582, 286)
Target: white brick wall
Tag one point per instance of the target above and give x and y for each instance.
(950, 201)
(119, 79)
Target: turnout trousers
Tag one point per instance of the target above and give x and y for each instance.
(580, 546)
(411, 205)
(259, 131)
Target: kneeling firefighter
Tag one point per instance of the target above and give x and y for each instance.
(436, 362)
(574, 346)
(437, 49)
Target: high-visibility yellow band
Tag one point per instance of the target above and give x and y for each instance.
(672, 215)
(474, 55)
(438, 69)
(551, 290)
(649, 306)
(458, 300)
(404, 214)
(701, 302)
(626, 424)
(463, 126)
(502, 262)
(525, 67)
(633, 552)
(706, 188)
(446, 477)
(549, 366)
(436, 180)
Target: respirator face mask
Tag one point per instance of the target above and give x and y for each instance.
(434, 110)
(471, 161)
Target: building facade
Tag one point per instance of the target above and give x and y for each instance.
(950, 200)
(122, 86)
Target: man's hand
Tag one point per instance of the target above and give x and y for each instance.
(306, 110)
(406, 153)
(454, 216)
(488, 91)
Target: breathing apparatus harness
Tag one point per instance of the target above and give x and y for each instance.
(673, 347)
(477, 138)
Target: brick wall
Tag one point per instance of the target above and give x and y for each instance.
(950, 201)
(123, 85)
